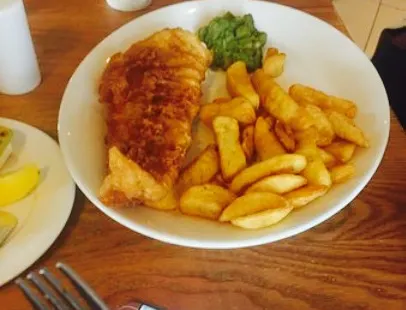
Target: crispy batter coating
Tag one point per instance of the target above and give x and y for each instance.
(152, 93)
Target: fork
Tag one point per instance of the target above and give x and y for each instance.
(59, 297)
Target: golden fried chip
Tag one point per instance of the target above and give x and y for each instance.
(278, 184)
(315, 172)
(247, 143)
(219, 180)
(266, 143)
(342, 150)
(222, 100)
(271, 52)
(328, 159)
(263, 219)
(287, 163)
(206, 201)
(239, 83)
(278, 103)
(274, 63)
(285, 136)
(345, 128)
(252, 203)
(238, 108)
(324, 128)
(232, 157)
(305, 195)
(169, 202)
(307, 95)
(342, 173)
(201, 170)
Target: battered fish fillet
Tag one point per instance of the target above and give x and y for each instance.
(152, 93)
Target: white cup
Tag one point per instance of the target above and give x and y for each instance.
(19, 70)
(128, 5)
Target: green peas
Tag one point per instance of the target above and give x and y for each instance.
(232, 38)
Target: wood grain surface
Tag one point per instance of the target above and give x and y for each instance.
(356, 260)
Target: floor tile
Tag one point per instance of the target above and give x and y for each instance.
(358, 17)
(397, 4)
(389, 16)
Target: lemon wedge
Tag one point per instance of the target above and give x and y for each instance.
(16, 185)
(7, 223)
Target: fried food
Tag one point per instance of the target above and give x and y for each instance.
(305, 195)
(342, 150)
(285, 136)
(271, 52)
(207, 201)
(239, 108)
(274, 62)
(278, 184)
(278, 103)
(270, 151)
(342, 173)
(328, 159)
(266, 143)
(324, 128)
(263, 219)
(252, 203)
(247, 143)
(232, 157)
(239, 83)
(307, 95)
(201, 170)
(152, 95)
(127, 183)
(287, 163)
(315, 172)
(222, 100)
(306, 142)
(345, 128)
(219, 180)
(169, 202)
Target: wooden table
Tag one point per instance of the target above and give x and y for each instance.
(356, 260)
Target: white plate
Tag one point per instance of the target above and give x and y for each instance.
(43, 214)
(317, 55)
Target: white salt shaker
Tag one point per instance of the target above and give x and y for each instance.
(19, 70)
(128, 5)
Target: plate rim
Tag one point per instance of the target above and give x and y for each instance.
(192, 243)
(57, 232)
